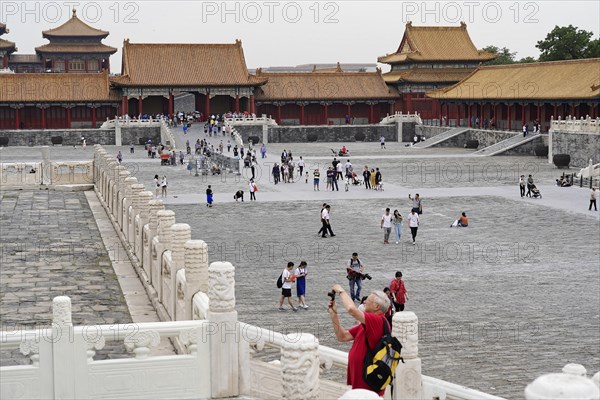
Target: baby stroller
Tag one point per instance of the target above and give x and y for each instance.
(355, 180)
(535, 192)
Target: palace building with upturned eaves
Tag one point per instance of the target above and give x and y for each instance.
(67, 83)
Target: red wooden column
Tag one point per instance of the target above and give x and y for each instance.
(408, 102)
(522, 114)
(494, 117)
(371, 115)
(481, 108)
(237, 103)
(593, 105)
(440, 112)
(43, 117)
(207, 105)
(572, 110)
(301, 113)
(68, 117)
(99, 64)
(252, 104)
(469, 115)
(326, 113)
(171, 104)
(94, 119)
(539, 114)
(124, 105)
(457, 114)
(278, 113)
(555, 110)
(18, 117)
(508, 117)
(108, 64)
(5, 61)
(66, 65)
(140, 105)
(349, 110)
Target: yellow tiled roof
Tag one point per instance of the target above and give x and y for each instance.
(5, 44)
(185, 65)
(555, 80)
(21, 88)
(324, 86)
(75, 48)
(436, 43)
(75, 27)
(428, 75)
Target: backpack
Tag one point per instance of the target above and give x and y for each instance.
(280, 281)
(381, 361)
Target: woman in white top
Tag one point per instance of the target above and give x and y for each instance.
(156, 186)
(163, 186)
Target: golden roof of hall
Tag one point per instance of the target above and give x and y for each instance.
(170, 64)
(553, 80)
(74, 27)
(320, 85)
(91, 47)
(424, 75)
(45, 87)
(436, 43)
(7, 45)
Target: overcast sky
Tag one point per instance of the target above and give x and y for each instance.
(276, 33)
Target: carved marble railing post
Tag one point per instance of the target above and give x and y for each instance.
(116, 187)
(409, 383)
(300, 367)
(106, 178)
(154, 207)
(112, 166)
(129, 182)
(572, 383)
(180, 234)
(63, 349)
(196, 273)
(143, 216)
(123, 175)
(166, 219)
(224, 330)
(134, 209)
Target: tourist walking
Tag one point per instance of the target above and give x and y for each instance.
(316, 178)
(287, 277)
(156, 185)
(209, 197)
(252, 189)
(300, 274)
(399, 293)
(397, 225)
(386, 225)
(131, 149)
(301, 165)
(163, 186)
(367, 177)
(119, 157)
(382, 141)
(529, 185)
(326, 221)
(253, 168)
(593, 199)
(263, 151)
(378, 180)
(354, 272)
(522, 185)
(275, 173)
(417, 206)
(322, 230)
(413, 223)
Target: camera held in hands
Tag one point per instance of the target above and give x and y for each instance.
(367, 276)
(332, 295)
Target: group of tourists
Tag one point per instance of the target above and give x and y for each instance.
(372, 178)
(289, 276)
(160, 186)
(389, 221)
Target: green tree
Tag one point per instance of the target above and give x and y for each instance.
(504, 55)
(527, 60)
(568, 43)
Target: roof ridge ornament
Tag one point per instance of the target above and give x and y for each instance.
(74, 13)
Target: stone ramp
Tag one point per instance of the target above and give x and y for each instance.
(441, 137)
(505, 145)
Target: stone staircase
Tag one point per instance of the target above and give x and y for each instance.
(437, 139)
(507, 144)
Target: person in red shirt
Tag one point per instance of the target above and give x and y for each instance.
(399, 292)
(370, 329)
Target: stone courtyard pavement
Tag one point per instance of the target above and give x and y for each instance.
(50, 246)
(514, 296)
